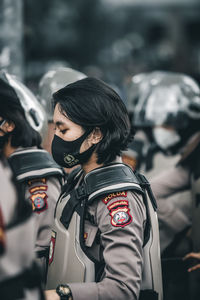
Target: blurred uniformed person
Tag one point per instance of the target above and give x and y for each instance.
(166, 108)
(19, 275)
(172, 109)
(40, 178)
(103, 245)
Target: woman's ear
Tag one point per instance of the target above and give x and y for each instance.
(9, 126)
(96, 136)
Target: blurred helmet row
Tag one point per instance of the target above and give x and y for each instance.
(158, 100)
(163, 98)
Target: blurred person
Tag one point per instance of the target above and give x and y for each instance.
(166, 109)
(170, 107)
(103, 245)
(149, 153)
(19, 275)
(22, 119)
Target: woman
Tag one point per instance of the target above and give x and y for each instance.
(21, 122)
(91, 129)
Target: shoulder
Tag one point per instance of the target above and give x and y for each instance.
(33, 163)
(121, 208)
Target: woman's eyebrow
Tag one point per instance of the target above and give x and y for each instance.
(59, 123)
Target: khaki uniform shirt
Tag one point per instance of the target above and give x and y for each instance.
(43, 193)
(18, 241)
(121, 220)
(172, 219)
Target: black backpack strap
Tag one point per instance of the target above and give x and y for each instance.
(75, 196)
(69, 208)
(72, 180)
(144, 183)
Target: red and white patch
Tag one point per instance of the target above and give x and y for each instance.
(120, 213)
(114, 195)
(39, 202)
(52, 246)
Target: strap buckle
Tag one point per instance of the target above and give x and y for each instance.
(81, 192)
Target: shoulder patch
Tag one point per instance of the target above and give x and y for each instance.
(114, 195)
(39, 202)
(34, 180)
(38, 188)
(120, 213)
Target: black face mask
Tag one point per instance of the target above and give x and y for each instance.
(66, 153)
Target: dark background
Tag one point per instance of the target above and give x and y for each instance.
(106, 39)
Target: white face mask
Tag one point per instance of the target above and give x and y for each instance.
(165, 138)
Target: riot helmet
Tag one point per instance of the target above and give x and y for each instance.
(16, 96)
(51, 82)
(166, 100)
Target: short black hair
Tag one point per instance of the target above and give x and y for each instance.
(91, 103)
(11, 110)
(23, 134)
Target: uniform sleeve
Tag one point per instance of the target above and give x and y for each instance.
(43, 195)
(172, 181)
(121, 222)
(172, 217)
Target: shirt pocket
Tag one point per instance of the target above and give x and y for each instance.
(90, 234)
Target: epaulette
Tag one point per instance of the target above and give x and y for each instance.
(33, 163)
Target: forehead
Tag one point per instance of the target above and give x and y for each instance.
(58, 116)
(60, 119)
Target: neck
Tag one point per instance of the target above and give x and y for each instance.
(91, 164)
(8, 149)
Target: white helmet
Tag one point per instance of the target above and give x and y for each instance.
(33, 110)
(164, 98)
(51, 82)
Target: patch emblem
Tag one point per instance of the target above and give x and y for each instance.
(38, 188)
(114, 195)
(43, 180)
(119, 212)
(39, 202)
(52, 246)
